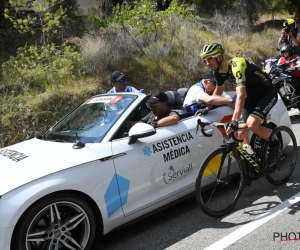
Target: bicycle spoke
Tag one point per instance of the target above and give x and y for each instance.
(217, 190)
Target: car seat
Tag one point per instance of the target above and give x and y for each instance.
(182, 92)
(175, 99)
(175, 103)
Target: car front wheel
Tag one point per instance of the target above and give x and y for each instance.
(60, 221)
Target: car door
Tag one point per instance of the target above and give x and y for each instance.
(160, 168)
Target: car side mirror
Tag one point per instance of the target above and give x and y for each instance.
(140, 130)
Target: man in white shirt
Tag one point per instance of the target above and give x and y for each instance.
(202, 93)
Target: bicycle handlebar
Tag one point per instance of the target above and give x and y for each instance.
(216, 124)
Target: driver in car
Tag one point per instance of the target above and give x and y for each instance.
(161, 114)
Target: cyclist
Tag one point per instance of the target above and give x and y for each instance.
(255, 94)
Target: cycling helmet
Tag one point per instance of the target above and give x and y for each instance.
(286, 48)
(211, 49)
(289, 21)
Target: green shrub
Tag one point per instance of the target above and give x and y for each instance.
(41, 66)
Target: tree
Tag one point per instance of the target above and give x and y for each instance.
(49, 59)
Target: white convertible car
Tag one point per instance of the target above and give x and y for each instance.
(91, 173)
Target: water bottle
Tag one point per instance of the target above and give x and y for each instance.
(248, 149)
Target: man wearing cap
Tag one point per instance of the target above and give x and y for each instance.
(202, 93)
(290, 34)
(160, 115)
(119, 83)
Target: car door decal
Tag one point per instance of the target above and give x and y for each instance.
(176, 147)
(116, 194)
(175, 174)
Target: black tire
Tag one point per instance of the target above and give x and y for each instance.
(35, 224)
(287, 156)
(218, 196)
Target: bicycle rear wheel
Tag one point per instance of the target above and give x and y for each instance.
(287, 156)
(220, 182)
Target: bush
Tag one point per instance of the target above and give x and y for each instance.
(39, 67)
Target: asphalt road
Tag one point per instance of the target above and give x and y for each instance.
(185, 226)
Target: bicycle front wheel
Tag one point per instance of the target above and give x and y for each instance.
(287, 156)
(220, 182)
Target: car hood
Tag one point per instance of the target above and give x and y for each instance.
(33, 159)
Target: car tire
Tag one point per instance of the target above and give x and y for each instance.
(60, 221)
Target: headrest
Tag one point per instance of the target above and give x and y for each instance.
(175, 99)
(182, 92)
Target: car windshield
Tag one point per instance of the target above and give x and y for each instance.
(91, 121)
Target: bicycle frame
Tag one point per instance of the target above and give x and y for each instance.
(258, 167)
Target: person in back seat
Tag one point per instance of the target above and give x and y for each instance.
(119, 83)
(160, 115)
(202, 93)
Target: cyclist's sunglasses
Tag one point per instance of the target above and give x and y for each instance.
(210, 58)
(123, 80)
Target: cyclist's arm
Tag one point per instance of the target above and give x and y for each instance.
(239, 66)
(219, 90)
(239, 103)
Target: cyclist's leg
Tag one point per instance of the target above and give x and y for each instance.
(244, 134)
(263, 107)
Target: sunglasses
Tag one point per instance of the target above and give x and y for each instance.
(151, 105)
(210, 58)
(123, 80)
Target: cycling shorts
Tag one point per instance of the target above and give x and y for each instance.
(259, 106)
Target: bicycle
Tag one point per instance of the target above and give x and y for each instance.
(226, 171)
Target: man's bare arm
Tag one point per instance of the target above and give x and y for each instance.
(169, 120)
(216, 100)
(217, 92)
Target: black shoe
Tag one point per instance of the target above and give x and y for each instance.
(272, 161)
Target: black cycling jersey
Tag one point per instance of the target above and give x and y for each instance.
(261, 94)
(246, 74)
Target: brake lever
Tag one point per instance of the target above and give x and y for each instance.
(202, 125)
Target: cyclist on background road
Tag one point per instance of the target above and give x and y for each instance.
(255, 94)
